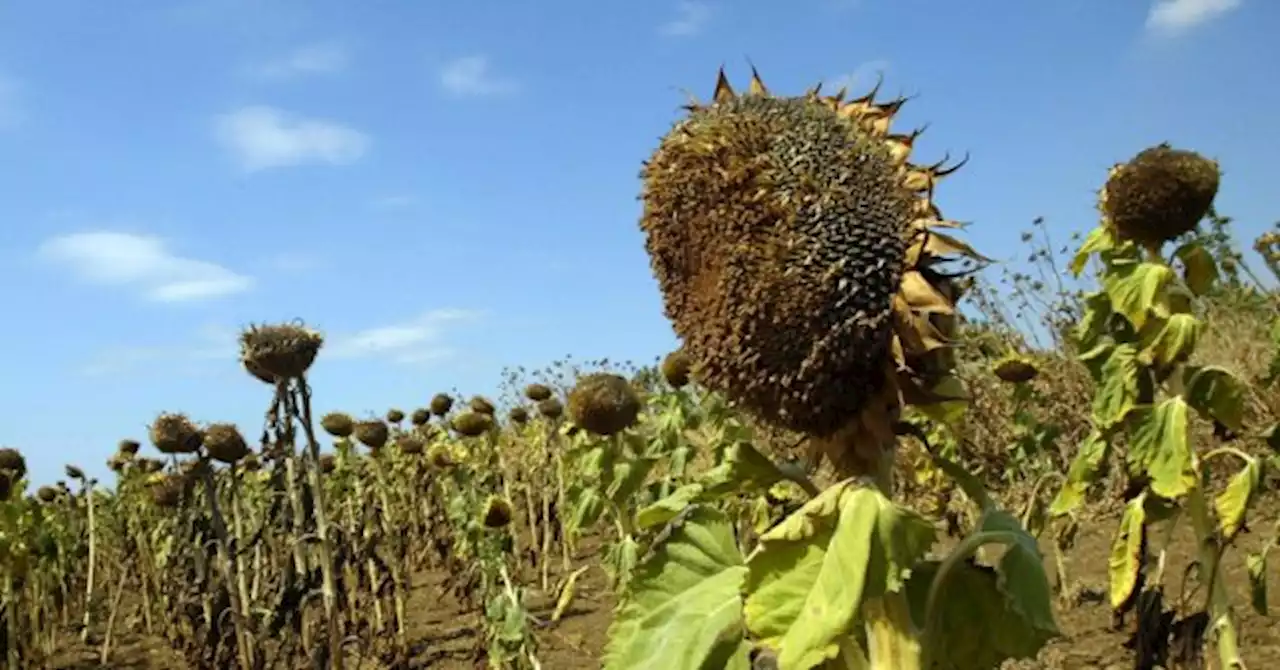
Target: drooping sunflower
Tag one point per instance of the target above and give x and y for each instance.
(800, 256)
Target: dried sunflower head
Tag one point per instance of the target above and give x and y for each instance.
(497, 512)
(372, 433)
(518, 415)
(328, 463)
(74, 472)
(604, 404)
(1015, 369)
(128, 447)
(47, 494)
(411, 445)
(174, 433)
(338, 424)
(441, 403)
(420, 416)
(224, 443)
(394, 416)
(1158, 195)
(279, 352)
(551, 408)
(482, 405)
(796, 247)
(472, 424)
(676, 367)
(537, 392)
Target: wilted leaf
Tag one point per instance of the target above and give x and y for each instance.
(1135, 289)
(666, 509)
(1199, 269)
(1118, 391)
(1097, 309)
(683, 607)
(1216, 394)
(813, 571)
(629, 475)
(988, 616)
(1158, 447)
(1232, 505)
(1099, 239)
(1256, 564)
(1126, 552)
(1175, 341)
(1084, 470)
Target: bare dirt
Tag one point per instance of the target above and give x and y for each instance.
(446, 634)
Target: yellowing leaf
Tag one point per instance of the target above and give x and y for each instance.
(683, 607)
(665, 509)
(1200, 270)
(1158, 447)
(1099, 239)
(922, 296)
(1118, 390)
(1097, 309)
(1126, 552)
(1232, 504)
(1216, 394)
(1135, 289)
(567, 592)
(812, 572)
(1083, 472)
(1175, 341)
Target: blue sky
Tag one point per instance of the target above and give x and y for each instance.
(448, 188)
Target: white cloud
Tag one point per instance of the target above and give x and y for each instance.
(691, 17)
(416, 341)
(264, 137)
(859, 81)
(142, 263)
(1177, 16)
(314, 59)
(10, 103)
(473, 76)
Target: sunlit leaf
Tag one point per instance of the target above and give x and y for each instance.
(1127, 552)
(1118, 392)
(683, 607)
(1159, 448)
(1084, 471)
(1232, 505)
(1099, 239)
(1175, 341)
(1135, 289)
(814, 570)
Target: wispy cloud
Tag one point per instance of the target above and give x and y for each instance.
(473, 76)
(142, 263)
(10, 103)
(293, 262)
(1171, 17)
(419, 340)
(691, 17)
(211, 345)
(313, 59)
(860, 80)
(262, 137)
(396, 201)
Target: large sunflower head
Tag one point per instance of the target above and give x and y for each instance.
(797, 249)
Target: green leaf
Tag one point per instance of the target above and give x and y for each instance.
(683, 607)
(1135, 289)
(629, 475)
(666, 509)
(1118, 390)
(1256, 565)
(1216, 394)
(743, 466)
(812, 572)
(949, 412)
(1200, 271)
(587, 510)
(1099, 239)
(1126, 552)
(967, 481)
(1232, 505)
(1159, 448)
(1097, 310)
(1174, 342)
(1084, 471)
